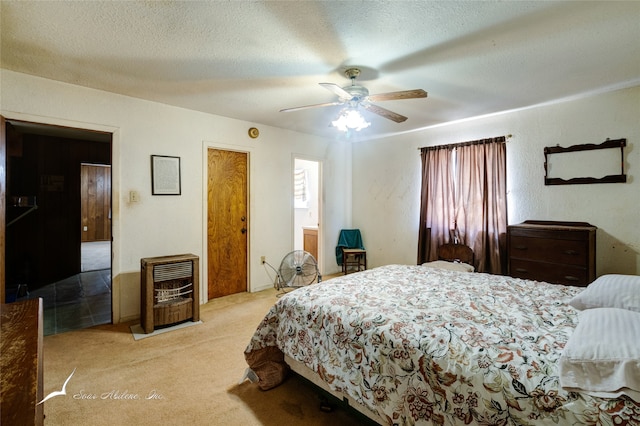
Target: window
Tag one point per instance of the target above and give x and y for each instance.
(300, 189)
(463, 198)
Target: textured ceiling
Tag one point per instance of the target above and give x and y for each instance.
(248, 60)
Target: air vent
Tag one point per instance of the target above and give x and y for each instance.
(172, 271)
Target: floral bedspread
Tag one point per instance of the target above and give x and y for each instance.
(419, 345)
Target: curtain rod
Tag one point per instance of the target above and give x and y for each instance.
(498, 139)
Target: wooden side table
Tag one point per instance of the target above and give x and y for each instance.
(353, 257)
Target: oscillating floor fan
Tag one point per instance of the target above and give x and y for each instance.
(297, 269)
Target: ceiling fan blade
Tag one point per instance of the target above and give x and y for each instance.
(311, 106)
(385, 113)
(392, 96)
(337, 90)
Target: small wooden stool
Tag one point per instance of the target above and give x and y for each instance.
(353, 257)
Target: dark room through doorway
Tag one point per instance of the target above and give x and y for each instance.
(58, 222)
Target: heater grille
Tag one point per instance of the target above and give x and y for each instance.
(172, 271)
(169, 290)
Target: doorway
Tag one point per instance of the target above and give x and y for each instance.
(95, 202)
(227, 222)
(43, 256)
(306, 207)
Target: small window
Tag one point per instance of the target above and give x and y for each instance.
(300, 189)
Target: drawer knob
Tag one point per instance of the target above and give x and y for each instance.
(571, 278)
(570, 252)
(521, 270)
(520, 247)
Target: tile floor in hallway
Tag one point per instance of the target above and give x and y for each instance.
(77, 302)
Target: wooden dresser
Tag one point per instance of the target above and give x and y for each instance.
(555, 252)
(21, 363)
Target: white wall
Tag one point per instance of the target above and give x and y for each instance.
(163, 225)
(386, 177)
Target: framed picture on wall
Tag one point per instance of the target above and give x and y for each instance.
(165, 175)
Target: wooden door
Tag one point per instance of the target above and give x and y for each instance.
(95, 198)
(227, 222)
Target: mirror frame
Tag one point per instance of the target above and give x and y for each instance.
(617, 143)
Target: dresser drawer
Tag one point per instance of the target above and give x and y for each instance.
(549, 272)
(555, 252)
(552, 232)
(570, 252)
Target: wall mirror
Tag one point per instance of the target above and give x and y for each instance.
(586, 163)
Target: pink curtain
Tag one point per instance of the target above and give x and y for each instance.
(436, 202)
(470, 205)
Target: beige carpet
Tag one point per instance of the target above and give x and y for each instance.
(187, 376)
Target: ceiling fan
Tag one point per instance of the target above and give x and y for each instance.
(356, 95)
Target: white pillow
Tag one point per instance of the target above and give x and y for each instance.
(451, 266)
(610, 291)
(602, 356)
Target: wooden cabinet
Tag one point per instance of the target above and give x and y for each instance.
(21, 363)
(310, 241)
(555, 252)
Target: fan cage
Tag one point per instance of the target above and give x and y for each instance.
(298, 269)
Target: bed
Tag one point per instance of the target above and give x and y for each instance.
(408, 344)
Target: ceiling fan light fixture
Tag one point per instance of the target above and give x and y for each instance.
(354, 97)
(350, 119)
